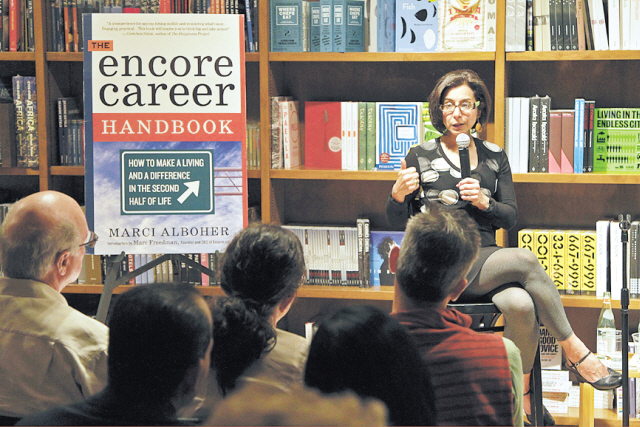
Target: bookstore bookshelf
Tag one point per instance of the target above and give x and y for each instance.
(329, 197)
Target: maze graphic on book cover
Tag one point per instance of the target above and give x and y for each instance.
(398, 129)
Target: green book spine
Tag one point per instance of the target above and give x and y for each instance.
(362, 135)
(371, 135)
(616, 140)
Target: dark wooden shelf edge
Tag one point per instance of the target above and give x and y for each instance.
(19, 171)
(352, 292)
(79, 56)
(17, 56)
(67, 170)
(381, 57)
(584, 55)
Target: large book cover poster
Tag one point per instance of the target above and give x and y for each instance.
(399, 125)
(164, 100)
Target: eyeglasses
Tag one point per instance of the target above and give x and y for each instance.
(93, 239)
(465, 106)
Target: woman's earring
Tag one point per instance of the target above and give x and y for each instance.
(478, 127)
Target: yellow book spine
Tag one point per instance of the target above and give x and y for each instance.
(573, 262)
(526, 239)
(558, 245)
(541, 249)
(588, 262)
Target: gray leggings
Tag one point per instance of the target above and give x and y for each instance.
(519, 304)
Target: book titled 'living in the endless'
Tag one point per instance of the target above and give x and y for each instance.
(165, 131)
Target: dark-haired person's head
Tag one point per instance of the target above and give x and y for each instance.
(262, 268)
(362, 349)
(454, 79)
(159, 344)
(437, 251)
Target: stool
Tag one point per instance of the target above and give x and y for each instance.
(484, 316)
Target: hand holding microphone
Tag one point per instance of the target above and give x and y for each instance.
(469, 188)
(463, 141)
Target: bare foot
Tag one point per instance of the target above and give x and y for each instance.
(592, 368)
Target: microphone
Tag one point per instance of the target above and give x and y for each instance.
(463, 142)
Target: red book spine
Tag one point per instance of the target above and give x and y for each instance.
(165, 6)
(15, 24)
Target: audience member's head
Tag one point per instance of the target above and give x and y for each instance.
(437, 251)
(263, 266)
(43, 238)
(257, 404)
(363, 349)
(159, 344)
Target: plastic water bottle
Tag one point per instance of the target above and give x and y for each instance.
(606, 342)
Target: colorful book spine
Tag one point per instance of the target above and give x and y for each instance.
(543, 134)
(21, 138)
(542, 249)
(314, 28)
(588, 262)
(31, 122)
(339, 25)
(362, 135)
(326, 26)
(558, 259)
(573, 263)
(354, 41)
(286, 25)
(371, 135)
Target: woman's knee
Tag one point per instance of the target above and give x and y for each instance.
(516, 303)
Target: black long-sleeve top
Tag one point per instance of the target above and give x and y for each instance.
(438, 179)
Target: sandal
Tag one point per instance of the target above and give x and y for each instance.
(609, 382)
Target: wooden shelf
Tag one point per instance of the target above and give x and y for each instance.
(584, 55)
(19, 171)
(329, 174)
(17, 56)
(380, 57)
(603, 417)
(384, 293)
(253, 173)
(78, 56)
(67, 170)
(580, 178)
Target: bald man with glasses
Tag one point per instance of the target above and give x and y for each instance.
(50, 353)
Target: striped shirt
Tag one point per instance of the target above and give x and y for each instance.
(469, 371)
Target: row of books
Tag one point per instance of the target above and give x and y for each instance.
(345, 135)
(66, 16)
(587, 262)
(382, 25)
(336, 256)
(70, 132)
(16, 26)
(19, 122)
(95, 269)
(559, 394)
(579, 140)
(555, 25)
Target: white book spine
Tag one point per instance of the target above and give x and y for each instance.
(602, 256)
(521, 26)
(510, 28)
(524, 134)
(614, 25)
(634, 25)
(615, 245)
(344, 106)
(490, 27)
(625, 24)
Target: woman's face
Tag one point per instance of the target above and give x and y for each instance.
(458, 122)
